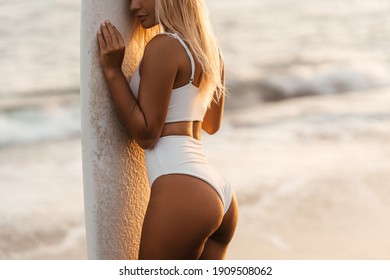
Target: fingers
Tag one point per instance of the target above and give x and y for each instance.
(111, 44)
(119, 37)
(106, 34)
(110, 35)
(116, 36)
(102, 43)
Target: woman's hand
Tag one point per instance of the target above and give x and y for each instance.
(112, 47)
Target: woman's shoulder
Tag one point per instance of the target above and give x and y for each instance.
(162, 51)
(163, 44)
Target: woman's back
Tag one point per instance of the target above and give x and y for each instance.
(187, 106)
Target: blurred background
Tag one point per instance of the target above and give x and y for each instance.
(305, 140)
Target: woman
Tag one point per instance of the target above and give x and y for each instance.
(176, 90)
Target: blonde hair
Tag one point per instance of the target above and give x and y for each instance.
(190, 20)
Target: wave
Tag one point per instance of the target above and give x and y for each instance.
(34, 240)
(55, 113)
(299, 81)
(40, 117)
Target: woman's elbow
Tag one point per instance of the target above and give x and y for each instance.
(211, 129)
(147, 140)
(146, 143)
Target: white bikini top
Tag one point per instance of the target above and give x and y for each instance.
(186, 103)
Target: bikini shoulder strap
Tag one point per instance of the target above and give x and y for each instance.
(188, 53)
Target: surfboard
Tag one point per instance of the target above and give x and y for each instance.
(114, 175)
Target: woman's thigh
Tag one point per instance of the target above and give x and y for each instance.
(183, 212)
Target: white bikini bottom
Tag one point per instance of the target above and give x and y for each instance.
(177, 154)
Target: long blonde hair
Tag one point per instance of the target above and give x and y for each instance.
(190, 20)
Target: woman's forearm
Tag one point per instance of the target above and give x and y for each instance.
(140, 125)
(127, 105)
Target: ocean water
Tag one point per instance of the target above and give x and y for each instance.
(275, 50)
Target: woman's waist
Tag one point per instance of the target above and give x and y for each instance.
(173, 145)
(184, 128)
(177, 141)
(174, 150)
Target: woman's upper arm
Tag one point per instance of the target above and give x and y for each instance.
(158, 72)
(213, 118)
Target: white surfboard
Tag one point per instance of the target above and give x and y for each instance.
(115, 183)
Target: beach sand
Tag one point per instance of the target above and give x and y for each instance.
(311, 176)
(321, 189)
(42, 206)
